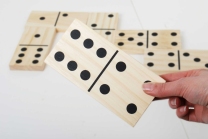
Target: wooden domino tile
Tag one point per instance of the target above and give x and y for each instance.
(66, 18)
(164, 39)
(131, 41)
(193, 59)
(103, 21)
(43, 18)
(107, 74)
(162, 61)
(136, 41)
(33, 47)
(107, 34)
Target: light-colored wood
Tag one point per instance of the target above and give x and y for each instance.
(107, 34)
(28, 51)
(125, 87)
(42, 18)
(182, 59)
(104, 21)
(66, 18)
(188, 59)
(164, 39)
(123, 40)
(161, 59)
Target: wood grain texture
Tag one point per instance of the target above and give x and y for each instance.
(194, 59)
(34, 46)
(104, 21)
(136, 41)
(168, 61)
(125, 87)
(164, 39)
(131, 41)
(42, 18)
(66, 18)
(107, 34)
(159, 60)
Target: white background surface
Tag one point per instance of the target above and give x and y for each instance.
(45, 105)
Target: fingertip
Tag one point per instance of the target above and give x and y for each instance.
(182, 111)
(175, 102)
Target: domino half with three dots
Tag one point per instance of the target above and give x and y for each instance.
(106, 73)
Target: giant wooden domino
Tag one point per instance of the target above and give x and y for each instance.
(167, 61)
(105, 24)
(136, 41)
(106, 73)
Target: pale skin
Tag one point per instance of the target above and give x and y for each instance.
(185, 90)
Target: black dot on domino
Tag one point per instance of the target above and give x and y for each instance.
(150, 54)
(37, 55)
(42, 18)
(171, 64)
(130, 38)
(206, 65)
(110, 15)
(171, 54)
(120, 66)
(174, 43)
(154, 34)
(173, 34)
(147, 81)
(121, 34)
(21, 55)
(131, 108)
(85, 75)
(88, 43)
(101, 52)
(65, 15)
(139, 43)
(59, 56)
(72, 65)
(197, 59)
(186, 54)
(108, 33)
(94, 25)
(18, 61)
(104, 89)
(140, 34)
(23, 49)
(120, 44)
(154, 44)
(37, 35)
(150, 64)
(75, 34)
(40, 49)
(35, 61)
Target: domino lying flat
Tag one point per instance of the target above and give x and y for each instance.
(106, 73)
(34, 46)
(136, 41)
(167, 61)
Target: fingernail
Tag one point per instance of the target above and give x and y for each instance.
(183, 109)
(148, 86)
(173, 102)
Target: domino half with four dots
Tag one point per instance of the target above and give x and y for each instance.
(106, 73)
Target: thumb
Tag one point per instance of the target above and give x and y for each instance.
(163, 90)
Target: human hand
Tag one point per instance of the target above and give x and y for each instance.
(185, 90)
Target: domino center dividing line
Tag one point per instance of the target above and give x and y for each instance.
(103, 70)
(179, 64)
